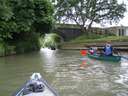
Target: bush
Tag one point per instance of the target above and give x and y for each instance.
(6, 49)
(27, 45)
(20, 23)
(102, 38)
(1, 49)
(51, 40)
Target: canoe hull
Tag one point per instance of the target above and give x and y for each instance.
(43, 88)
(105, 58)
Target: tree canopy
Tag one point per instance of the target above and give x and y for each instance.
(22, 22)
(85, 12)
(21, 16)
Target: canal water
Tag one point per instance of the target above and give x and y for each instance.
(66, 73)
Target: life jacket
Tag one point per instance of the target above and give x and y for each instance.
(108, 50)
(91, 51)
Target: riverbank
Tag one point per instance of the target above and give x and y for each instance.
(96, 38)
(86, 41)
(7, 50)
(78, 46)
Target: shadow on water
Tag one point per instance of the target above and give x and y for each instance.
(62, 69)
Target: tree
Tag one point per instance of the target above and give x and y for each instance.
(85, 12)
(17, 16)
(32, 15)
(5, 15)
(20, 19)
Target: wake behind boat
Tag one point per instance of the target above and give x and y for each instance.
(36, 86)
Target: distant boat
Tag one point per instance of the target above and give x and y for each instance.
(105, 58)
(53, 48)
(36, 86)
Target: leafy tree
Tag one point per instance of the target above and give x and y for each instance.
(20, 19)
(85, 12)
(18, 16)
(32, 15)
(5, 15)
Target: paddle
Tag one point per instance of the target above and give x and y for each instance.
(119, 54)
(116, 52)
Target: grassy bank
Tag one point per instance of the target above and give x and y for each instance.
(1, 49)
(19, 45)
(6, 50)
(99, 38)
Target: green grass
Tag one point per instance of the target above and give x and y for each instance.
(50, 40)
(1, 49)
(6, 50)
(98, 38)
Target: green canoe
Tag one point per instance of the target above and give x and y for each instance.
(105, 58)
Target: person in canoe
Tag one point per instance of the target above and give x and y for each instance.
(93, 50)
(108, 49)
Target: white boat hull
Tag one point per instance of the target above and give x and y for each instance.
(45, 89)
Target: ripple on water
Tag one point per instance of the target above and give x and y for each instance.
(62, 69)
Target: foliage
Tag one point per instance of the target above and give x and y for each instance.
(99, 38)
(5, 49)
(20, 19)
(5, 16)
(25, 16)
(85, 12)
(27, 44)
(51, 40)
(1, 49)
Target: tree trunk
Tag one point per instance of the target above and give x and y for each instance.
(83, 29)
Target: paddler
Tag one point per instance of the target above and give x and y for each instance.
(108, 49)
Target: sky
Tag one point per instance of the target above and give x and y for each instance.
(124, 21)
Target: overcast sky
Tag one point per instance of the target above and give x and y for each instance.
(124, 21)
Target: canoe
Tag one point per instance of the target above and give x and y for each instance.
(105, 58)
(36, 86)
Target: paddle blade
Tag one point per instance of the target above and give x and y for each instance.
(83, 52)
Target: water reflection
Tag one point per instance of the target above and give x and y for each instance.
(123, 74)
(49, 59)
(49, 54)
(61, 68)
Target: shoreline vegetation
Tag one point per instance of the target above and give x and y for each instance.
(6, 50)
(84, 41)
(22, 22)
(80, 42)
(95, 38)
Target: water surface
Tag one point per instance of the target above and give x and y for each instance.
(63, 69)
